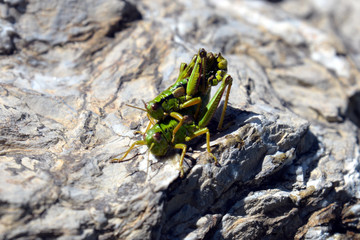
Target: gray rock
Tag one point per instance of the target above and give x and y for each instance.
(288, 158)
(7, 35)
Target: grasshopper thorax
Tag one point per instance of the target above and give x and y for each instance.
(167, 101)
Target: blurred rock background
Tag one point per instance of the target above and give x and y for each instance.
(289, 157)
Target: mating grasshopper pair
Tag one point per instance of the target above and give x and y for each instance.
(184, 109)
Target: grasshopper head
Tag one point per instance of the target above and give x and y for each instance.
(155, 109)
(156, 140)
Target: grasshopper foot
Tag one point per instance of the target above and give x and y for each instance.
(181, 172)
(215, 159)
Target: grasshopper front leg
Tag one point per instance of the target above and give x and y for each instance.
(152, 122)
(199, 132)
(183, 148)
(137, 143)
(181, 118)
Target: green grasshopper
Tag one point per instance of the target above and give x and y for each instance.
(191, 88)
(160, 137)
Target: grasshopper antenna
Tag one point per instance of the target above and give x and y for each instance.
(144, 103)
(142, 109)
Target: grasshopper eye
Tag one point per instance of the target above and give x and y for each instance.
(157, 136)
(155, 106)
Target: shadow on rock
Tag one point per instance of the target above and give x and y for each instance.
(353, 109)
(267, 163)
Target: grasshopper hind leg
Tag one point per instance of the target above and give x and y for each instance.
(214, 103)
(228, 82)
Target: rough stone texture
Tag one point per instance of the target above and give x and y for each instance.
(289, 159)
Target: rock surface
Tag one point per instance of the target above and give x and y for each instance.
(289, 159)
